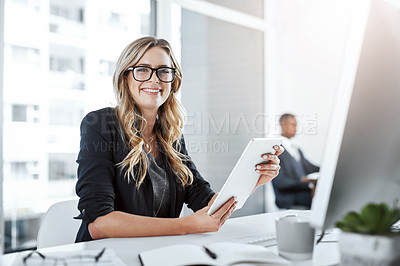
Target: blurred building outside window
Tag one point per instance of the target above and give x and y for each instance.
(58, 67)
(68, 51)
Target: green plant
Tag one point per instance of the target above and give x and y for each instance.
(374, 219)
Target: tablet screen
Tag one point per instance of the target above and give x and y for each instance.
(243, 177)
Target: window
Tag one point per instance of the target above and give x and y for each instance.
(74, 62)
(67, 11)
(60, 64)
(59, 11)
(65, 112)
(19, 113)
(33, 4)
(25, 113)
(24, 170)
(106, 67)
(62, 166)
(25, 55)
(68, 67)
(114, 19)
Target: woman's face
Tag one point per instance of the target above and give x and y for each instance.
(150, 95)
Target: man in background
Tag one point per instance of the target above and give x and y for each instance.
(292, 188)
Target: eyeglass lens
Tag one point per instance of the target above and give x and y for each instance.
(165, 74)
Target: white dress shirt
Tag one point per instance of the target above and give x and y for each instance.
(291, 148)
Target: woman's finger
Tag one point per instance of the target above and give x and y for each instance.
(227, 214)
(271, 158)
(218, 214)
(279, 150)
(267, 167)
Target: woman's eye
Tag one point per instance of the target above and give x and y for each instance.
(143, 70)
(164, 71)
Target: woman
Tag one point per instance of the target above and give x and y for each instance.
(134, 170)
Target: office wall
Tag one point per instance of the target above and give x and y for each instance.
(309, 39)
(222, 91)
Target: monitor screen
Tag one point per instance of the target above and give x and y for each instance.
(361, 162)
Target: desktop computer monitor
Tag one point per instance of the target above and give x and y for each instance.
(361, 161)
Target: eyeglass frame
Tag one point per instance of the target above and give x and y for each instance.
(132, 68)
(96, 258)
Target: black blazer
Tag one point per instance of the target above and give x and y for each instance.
(288, 182)
(101, 184)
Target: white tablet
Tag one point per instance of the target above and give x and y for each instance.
(243, 177)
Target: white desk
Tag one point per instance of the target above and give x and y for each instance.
(129, 248)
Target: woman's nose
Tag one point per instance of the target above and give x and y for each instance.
(154, 77)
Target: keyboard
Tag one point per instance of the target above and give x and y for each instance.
(264, 239)
(255, 239)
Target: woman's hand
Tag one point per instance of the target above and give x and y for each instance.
(201, 222)
(269, 169)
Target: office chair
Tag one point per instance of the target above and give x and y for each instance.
(270, 198)
(58, 226)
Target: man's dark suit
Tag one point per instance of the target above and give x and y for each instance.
(289, 190)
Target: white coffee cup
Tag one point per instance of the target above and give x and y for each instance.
(295, 237)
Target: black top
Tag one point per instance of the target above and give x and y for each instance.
(101, 184)
(159, 181)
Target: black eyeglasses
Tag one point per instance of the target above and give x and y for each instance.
(144, 73)
(42, 259)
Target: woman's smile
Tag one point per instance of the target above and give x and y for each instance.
(151, 91)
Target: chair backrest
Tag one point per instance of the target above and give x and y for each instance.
(58, 226)
(270, 198)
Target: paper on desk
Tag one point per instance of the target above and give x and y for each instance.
(227, 253)
(109, 258)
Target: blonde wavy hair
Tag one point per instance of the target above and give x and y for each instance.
(169, 123)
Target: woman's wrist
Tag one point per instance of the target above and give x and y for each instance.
(184, 225)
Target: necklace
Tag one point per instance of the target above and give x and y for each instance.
(148, 143)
